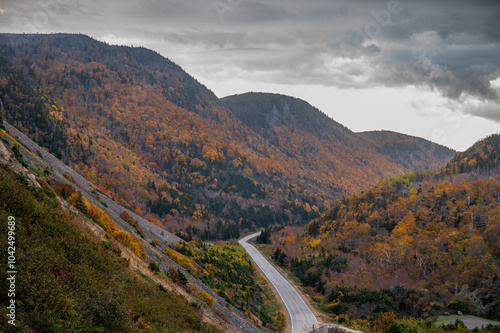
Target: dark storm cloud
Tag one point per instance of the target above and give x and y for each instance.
(451, 46)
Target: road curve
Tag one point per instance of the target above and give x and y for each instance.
(302, 318)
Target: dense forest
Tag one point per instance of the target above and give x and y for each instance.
(310, 137)
(159, 142)
(416, 245)
(27, 105)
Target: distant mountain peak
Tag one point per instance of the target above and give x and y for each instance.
(263, 111)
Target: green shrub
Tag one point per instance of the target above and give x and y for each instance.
(459, 306)
(400, 328)
(457, 326)
(154, 267)
(19, 156)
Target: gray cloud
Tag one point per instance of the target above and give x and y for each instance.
(451, 46)
(487, 110)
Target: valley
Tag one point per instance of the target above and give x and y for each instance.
(147, 133)
(137, 189)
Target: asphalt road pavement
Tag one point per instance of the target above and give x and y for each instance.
(302, 318)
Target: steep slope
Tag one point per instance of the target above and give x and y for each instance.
(411, 152)
(70, 279)
(152, 137)
(416, 245)
(350, 161)
(30, 109)
(128, 239)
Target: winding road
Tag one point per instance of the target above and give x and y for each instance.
(302, 318)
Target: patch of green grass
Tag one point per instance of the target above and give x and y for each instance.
(27, 148)
(36, 171)
(442, 319)
(144, 276)
(273, 305)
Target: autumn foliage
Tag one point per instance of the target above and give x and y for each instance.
(435, 237)
(103, 219)
(229, 271)
(159, 142)
(205, 297)
(481, 158)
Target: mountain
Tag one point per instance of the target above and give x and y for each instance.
(417, 245)
(262, 112)
(411, 152)
(351, 161)
(481, 158)
(159, 142)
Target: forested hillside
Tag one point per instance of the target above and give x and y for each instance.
(69, 280)
(416, 245)
(69, 230)
(482, 158)
(158, 141)
(347, 160)
(411, 152)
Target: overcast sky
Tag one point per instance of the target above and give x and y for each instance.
(421, 67)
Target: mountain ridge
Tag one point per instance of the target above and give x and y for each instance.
(482, 157)
(313, 114)
(148, 134)
(397, 145)
(278, 118)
